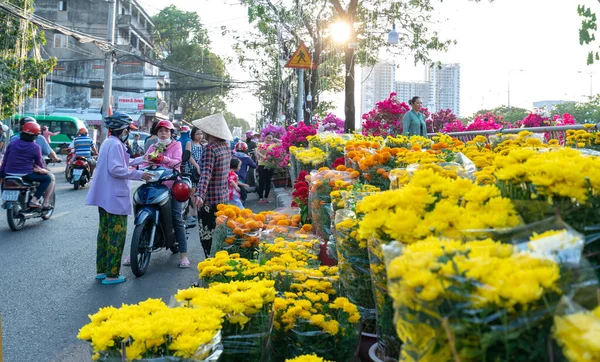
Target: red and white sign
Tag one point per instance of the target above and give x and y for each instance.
(130, 103)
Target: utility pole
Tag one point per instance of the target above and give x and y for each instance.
(108, 64)
(300, 105)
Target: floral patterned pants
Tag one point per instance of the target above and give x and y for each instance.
(111, 241)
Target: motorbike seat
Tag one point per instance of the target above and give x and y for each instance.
(19, 180)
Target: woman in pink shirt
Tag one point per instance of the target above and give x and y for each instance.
(169, 155)
(46, 133)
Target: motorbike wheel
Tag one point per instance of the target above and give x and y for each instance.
(140, 250)
(15, 221)
(76, 185)
(48, 213)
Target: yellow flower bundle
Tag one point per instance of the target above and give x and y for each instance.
(401, 141)
(151, 329)
(578, 334)
(309, 157)
(307, 358)
(432, 205)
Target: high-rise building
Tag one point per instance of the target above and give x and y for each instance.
(444, 88)
(377, 83)
(406, 90)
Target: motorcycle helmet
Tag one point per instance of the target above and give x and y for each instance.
(241, 146)
(249, 134)
(184, 129)
(31, 128)
(118, 121)
(181, 190)
(166, 124)
(83, 131)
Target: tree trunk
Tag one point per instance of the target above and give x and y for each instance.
(349, 108)
(313, 84)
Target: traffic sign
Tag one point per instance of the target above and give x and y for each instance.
(301, 59)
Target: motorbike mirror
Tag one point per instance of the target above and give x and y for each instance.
(185, 157)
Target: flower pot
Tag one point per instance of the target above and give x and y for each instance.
(280, 182)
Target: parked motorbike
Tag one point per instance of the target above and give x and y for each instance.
(153, 223)
(80, 172)
(16, 195)
(69, 161)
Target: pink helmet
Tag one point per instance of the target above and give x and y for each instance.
(241, 146)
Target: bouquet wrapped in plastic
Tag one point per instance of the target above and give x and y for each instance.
(308, 159)
(225, 268)
(151, 331)
(576, 331)
(315, 322)
(248, 312)
(480, 300)
(322, 183)
(353, 263)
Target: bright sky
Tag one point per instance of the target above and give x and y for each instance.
(539, 37)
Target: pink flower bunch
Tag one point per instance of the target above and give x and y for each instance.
(386, 118)
(331, 123)
(439, 120)
(277, 157)
(537, 118)
(296, 136)
(481, 124)
(277, 131)
(564, 120)
(454, 126)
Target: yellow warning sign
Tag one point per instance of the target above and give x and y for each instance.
(301, 59)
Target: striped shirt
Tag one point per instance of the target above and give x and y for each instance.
(83, 146)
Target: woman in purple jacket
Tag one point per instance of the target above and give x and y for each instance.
(111, 193)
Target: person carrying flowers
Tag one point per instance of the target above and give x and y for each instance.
(214, 168)
(265, 173)
(110, 192)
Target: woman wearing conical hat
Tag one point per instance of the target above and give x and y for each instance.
(214, 168)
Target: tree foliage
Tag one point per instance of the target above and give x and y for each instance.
(186, 45)
(587, 32)
(583, 112)
(20, 62)
(371, 20)
(233, 121)
(514, 115)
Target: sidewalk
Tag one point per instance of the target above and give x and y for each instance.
(278, 197)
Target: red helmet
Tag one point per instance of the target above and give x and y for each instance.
(183, 129)
(166, 124)
(31, 128)
(241, 146)
(83, 130)
(181, 191)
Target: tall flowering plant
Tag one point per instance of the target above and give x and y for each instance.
(454, 126)
(386, 118)
(537, 118)
(277, 157)
(331, 123)
(277, 131)
(564, 120)
(439, 120)
(300, 196)
(296, 135)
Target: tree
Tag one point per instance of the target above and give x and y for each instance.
(516, 114)
(368, 22)
(21, 65)
(186, 44)
(233, 121)
(589, 26)
(583, 112)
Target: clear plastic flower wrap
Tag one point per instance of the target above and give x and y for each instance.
(322, 183)
(315, 323)
(575, 331)
(353, 264)
(232, 237)
(481, 300)
(248, 309)
(302, 248)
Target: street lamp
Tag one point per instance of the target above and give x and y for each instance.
(511, 70)
(393, 36)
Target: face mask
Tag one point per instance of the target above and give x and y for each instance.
(165, 142)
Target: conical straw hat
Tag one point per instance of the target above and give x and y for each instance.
(215, 126)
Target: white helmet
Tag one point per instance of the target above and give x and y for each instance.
(5, 128)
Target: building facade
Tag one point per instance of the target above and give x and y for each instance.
(444, 87)
(376, 84)
(406, 90)
(76, 84)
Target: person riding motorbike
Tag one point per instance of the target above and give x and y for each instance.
(84, 147)
(167, 153)
(24, 158)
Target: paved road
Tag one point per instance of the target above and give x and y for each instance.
(47, 285)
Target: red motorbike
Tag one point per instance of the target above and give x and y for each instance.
(80, 172)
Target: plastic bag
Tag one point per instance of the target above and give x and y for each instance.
(322, 183)
(353, 264)
(574, 330)
(235, 240)
(473, 301)
(249, 343)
